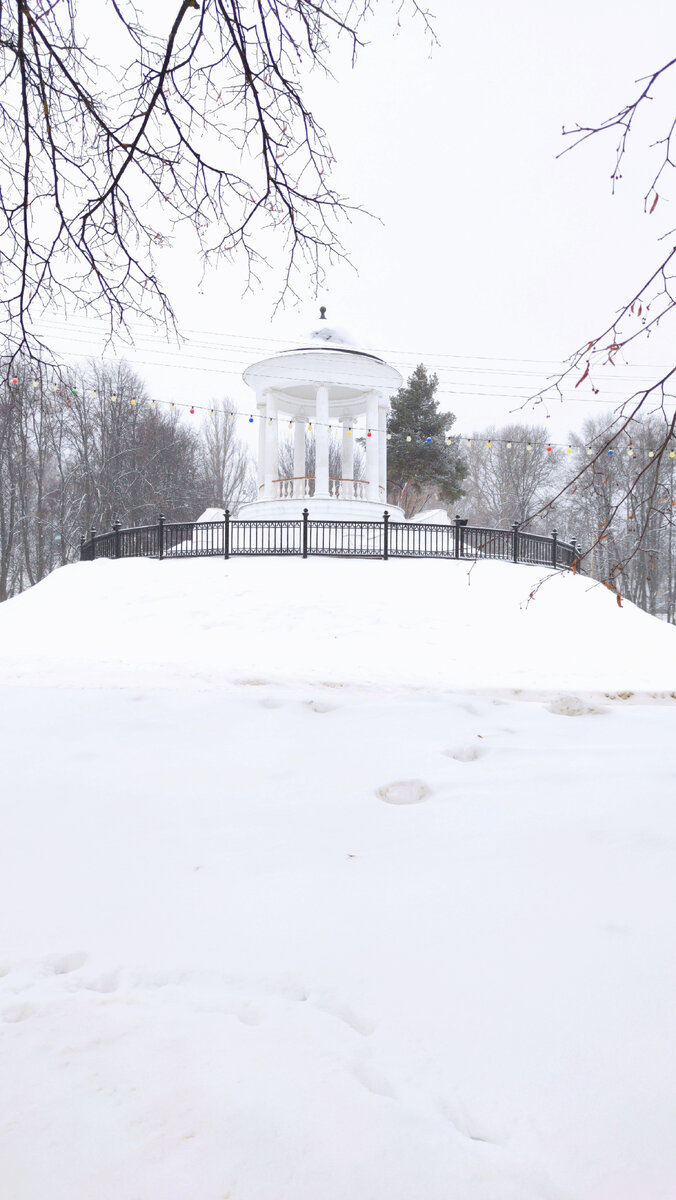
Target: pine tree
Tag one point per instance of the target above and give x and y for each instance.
(424, 464)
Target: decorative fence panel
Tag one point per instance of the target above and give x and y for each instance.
(346, 539)
(420, 541)
(350, 539)
(265, 537)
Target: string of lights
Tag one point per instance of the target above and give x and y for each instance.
(251, 417)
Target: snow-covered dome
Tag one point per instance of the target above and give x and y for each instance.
(325, 336)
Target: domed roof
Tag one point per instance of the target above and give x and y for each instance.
(325, 336)
(328, 357)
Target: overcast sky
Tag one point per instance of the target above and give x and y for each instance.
(490, 257)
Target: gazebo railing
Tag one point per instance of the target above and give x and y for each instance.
(347, 539)
(298, 487)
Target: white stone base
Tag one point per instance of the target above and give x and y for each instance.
(319, 510)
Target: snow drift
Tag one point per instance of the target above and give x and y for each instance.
(373, 624)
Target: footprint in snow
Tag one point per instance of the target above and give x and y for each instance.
(18, 1012)
(320, 706)
(63, 964)
(466, 754)
(404, 791)
(102, 983)
(572, 706)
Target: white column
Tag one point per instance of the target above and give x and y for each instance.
(322, 443)
(383, 408)
(347, 468)
(372, 446)
(260, 417)
(299, 456)
(271, 446)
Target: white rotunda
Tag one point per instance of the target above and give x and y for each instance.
(326, 384)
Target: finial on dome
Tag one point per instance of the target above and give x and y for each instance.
(322, 313)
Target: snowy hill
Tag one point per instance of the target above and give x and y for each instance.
(335, 879)
(372, 624)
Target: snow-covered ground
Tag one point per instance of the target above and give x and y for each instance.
(335, 879)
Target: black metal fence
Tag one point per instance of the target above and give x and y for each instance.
(347, 539)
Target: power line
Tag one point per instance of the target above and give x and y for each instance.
(456, 390)
(405, 356)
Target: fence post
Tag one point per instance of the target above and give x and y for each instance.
(160, 535)
(515, 541)
(82, 546)
(117, 525)
(226, 533)
(386, 535)
(305, 517)
(93, 537)
(554, 546)
(457, 534)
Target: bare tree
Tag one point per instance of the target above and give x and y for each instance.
(626, 522)
(226, 468)
(510, 474)
(78, 453)
(641, 312)
(197, 120)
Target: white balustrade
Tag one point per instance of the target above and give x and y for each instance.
(339, 489)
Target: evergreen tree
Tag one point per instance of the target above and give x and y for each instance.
(429, 467)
